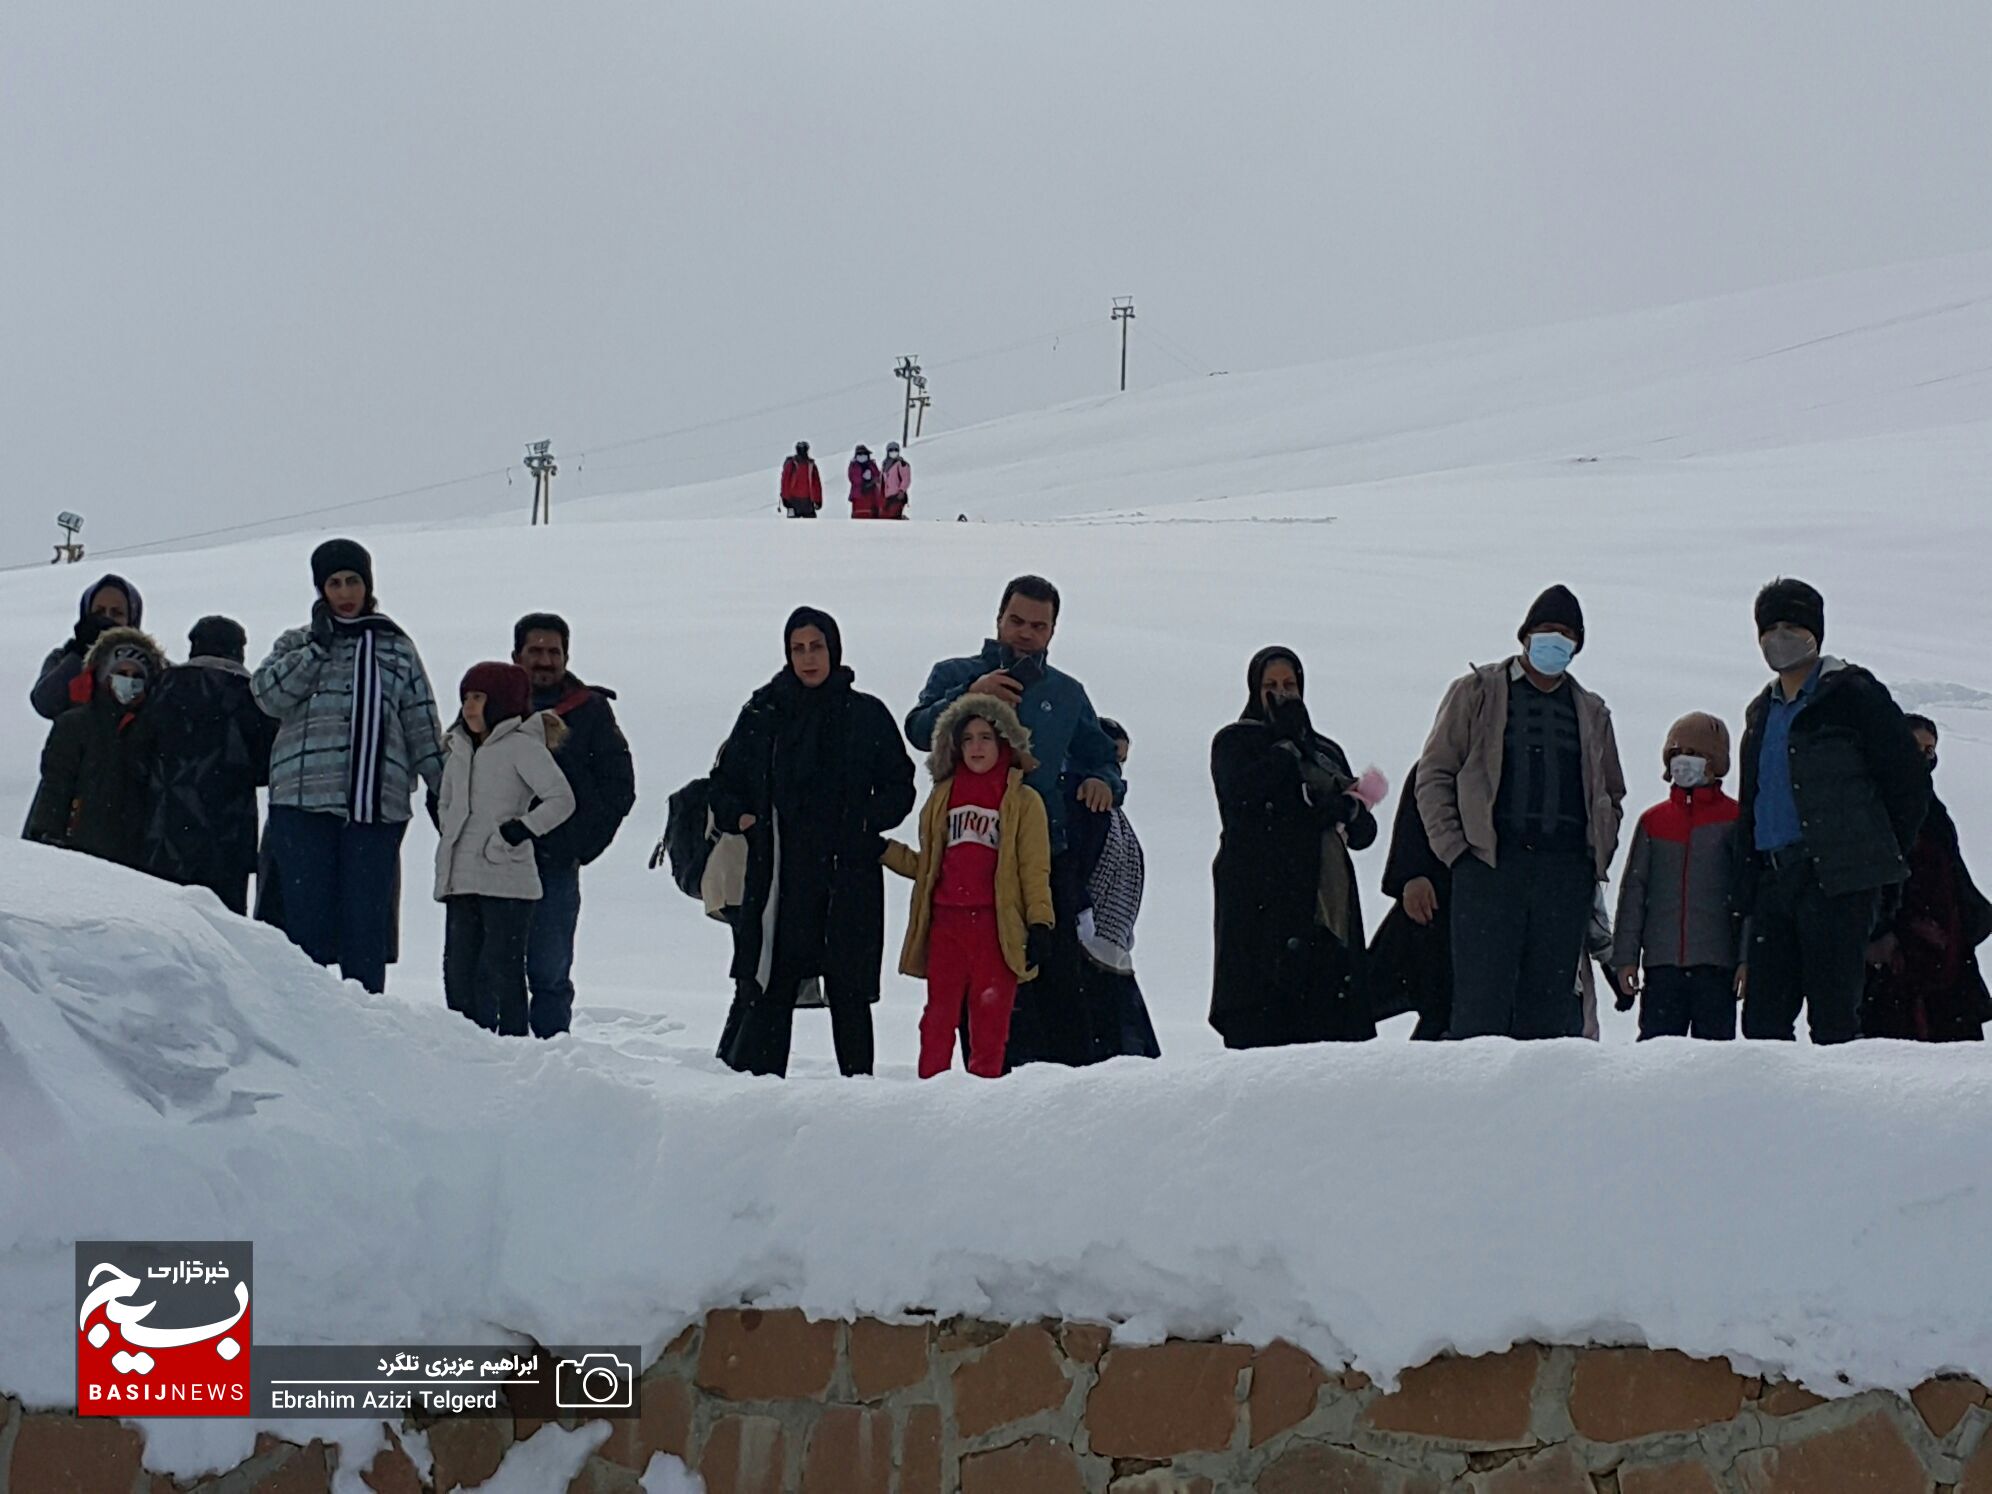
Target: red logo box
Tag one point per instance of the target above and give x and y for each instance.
(163, 1327)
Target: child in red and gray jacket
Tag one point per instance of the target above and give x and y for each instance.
(1677, 904)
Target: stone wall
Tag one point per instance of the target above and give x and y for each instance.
(771, 1403)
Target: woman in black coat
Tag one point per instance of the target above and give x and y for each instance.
(1289, 918)
(1409, 966)
(814, 775)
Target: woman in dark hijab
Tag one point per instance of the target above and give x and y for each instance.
(1289, 920)
(814, 774)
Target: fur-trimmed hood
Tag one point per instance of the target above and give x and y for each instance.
(941, 761)
(112, 638)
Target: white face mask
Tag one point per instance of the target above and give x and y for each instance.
(126, 688)
(1786, 647)
(1688, 771)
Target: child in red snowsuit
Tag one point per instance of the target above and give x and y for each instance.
(982, 915)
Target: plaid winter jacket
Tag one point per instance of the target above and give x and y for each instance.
(308, 687)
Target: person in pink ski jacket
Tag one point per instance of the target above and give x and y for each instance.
(897, 479)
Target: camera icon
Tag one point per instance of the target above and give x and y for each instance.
(594, 1382)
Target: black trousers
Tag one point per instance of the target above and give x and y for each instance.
(484, 960)
(1807, 951)
(799, 508)
(1688, 1001)
(1051, 1022)
(760, 1026)
(1517, 935)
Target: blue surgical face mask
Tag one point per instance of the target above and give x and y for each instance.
(1551, 653)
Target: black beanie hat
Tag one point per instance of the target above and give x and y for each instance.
(1557, 605)
(217, 638)
(1787, 600)
(337, 555)
(815, 617)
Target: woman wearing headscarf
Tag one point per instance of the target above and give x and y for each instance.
(813, 775)
(1289, 919)
(356, 730)
(111, 602)
(92, 792)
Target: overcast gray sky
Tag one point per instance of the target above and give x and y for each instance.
(263, 257)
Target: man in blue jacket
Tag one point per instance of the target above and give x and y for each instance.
(1050, 1023)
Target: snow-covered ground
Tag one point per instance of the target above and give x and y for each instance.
(1390, 517)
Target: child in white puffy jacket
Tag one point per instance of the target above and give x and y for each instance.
(500, 790)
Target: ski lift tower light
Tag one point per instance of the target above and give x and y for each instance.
(69, 551)
(539, 462)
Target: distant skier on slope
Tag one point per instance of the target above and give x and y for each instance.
(867, 486)
(802, 484)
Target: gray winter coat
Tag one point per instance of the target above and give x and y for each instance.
(1678, 899)
(511, 777)
(1459, 775)
(308, 687)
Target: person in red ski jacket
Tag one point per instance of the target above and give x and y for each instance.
(802, 484)
(1677, 904)
(867, 486)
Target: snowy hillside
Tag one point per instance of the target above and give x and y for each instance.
(1390, 517)
(167, 1070)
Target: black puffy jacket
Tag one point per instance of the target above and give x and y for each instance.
(204, 749)
(596, 759)
(1859, 778)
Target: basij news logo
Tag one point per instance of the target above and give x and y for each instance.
(162, 1327)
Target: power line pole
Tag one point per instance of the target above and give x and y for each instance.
(920, 420)
(539, 462)
(1124, 313)
(909, 370)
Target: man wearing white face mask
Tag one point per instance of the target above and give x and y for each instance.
(1834, 790)
(1520, 791)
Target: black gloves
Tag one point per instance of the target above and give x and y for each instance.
(1346, 809)
(515, 832)
(321, 623)
(1621, 997)
(1037, 946)
(430, 803)
(1288, 719)
(89, 628)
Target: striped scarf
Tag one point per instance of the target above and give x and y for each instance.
(367, 746)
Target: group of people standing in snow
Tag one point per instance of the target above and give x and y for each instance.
(1027, 875)
(1831, 884)
(877, 492)
(157, 767)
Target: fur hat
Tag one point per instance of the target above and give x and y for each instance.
(1700, 735)
(505, 687)
(997, 712)
(124, 645)
(1557, 605)
(337, 555)
(1795, 602)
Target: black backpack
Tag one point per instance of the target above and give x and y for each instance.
(686, 843)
